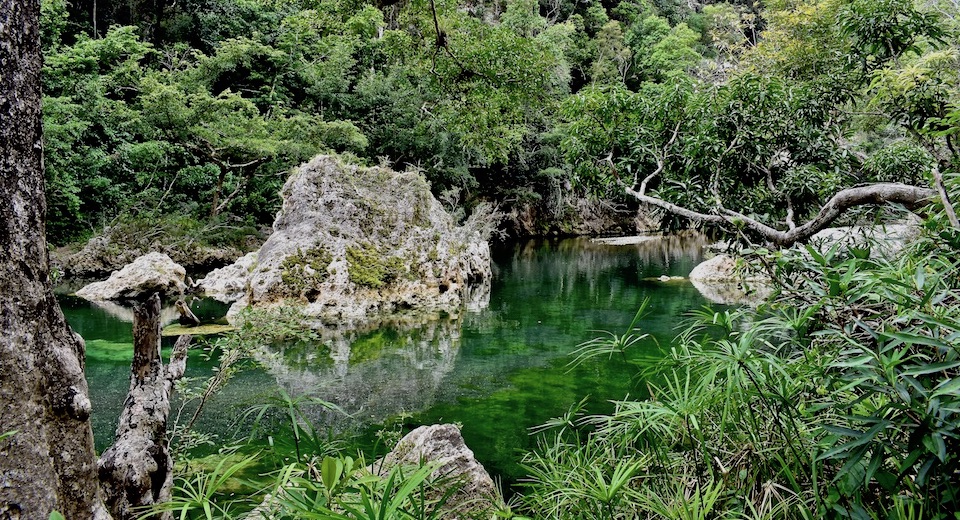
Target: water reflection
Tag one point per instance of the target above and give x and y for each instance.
(498, 367)
(168, 314)
(547, 296)
(371, 375)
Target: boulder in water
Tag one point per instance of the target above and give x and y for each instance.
(351, 242)
(721, 280)
(148, 274)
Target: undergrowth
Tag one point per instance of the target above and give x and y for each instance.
(837, 399)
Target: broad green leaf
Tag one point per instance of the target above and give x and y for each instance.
(331, 470)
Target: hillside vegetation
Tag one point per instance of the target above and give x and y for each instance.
(157, 110)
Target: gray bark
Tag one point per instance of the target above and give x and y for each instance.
(49, 463)
(911, 197)
(945, 197)
(137, 470)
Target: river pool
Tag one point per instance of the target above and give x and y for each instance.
(497, 369)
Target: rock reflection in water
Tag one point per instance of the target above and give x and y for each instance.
(410, 363)
(168, 314)
(371, 374)
(384, 368)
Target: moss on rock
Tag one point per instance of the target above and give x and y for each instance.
(368, 267)
(303, 271)
(353, 242)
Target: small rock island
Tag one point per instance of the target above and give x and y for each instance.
(353, 242)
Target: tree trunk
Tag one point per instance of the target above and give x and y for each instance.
(137, 470)
(49, 463)
(218, 191)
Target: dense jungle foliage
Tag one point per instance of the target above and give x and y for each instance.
(839, 398)
(200, 108)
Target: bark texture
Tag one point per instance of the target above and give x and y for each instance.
(49, 463)
(136, 471)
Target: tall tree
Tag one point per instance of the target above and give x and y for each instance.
(769, 151)
(47, 460)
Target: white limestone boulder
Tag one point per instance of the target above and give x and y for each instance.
(229, 284)
(351, 243)
(885, 240)
(150, 273)
(721, 280)
(443, 445)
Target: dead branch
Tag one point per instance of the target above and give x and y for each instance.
(945, 197)
(911, 197)
(137, 470)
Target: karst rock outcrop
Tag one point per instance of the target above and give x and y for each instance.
(350, 243)
(720, 280)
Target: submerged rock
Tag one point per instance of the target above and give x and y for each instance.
(351, 242)
(443, 444)
(627, 240)
(150, 273)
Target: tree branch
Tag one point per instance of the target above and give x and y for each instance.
(882, 193)
(945, 197)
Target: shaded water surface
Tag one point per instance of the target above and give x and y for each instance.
(497, 369)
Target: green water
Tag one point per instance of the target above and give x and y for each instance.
(497, 369)
(107, 329)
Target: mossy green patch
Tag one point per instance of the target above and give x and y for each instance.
(200, 330)
(245, 471)
(304, 271)
(370, 268)
(372, 346)
(105, 350)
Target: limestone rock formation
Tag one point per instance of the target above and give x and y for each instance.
(229, 284)
(350, 243)
(150, 273)
(719, 280)
(721, 268)
(443, 444)
(885, 240)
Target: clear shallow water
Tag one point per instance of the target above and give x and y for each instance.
(498, 370)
